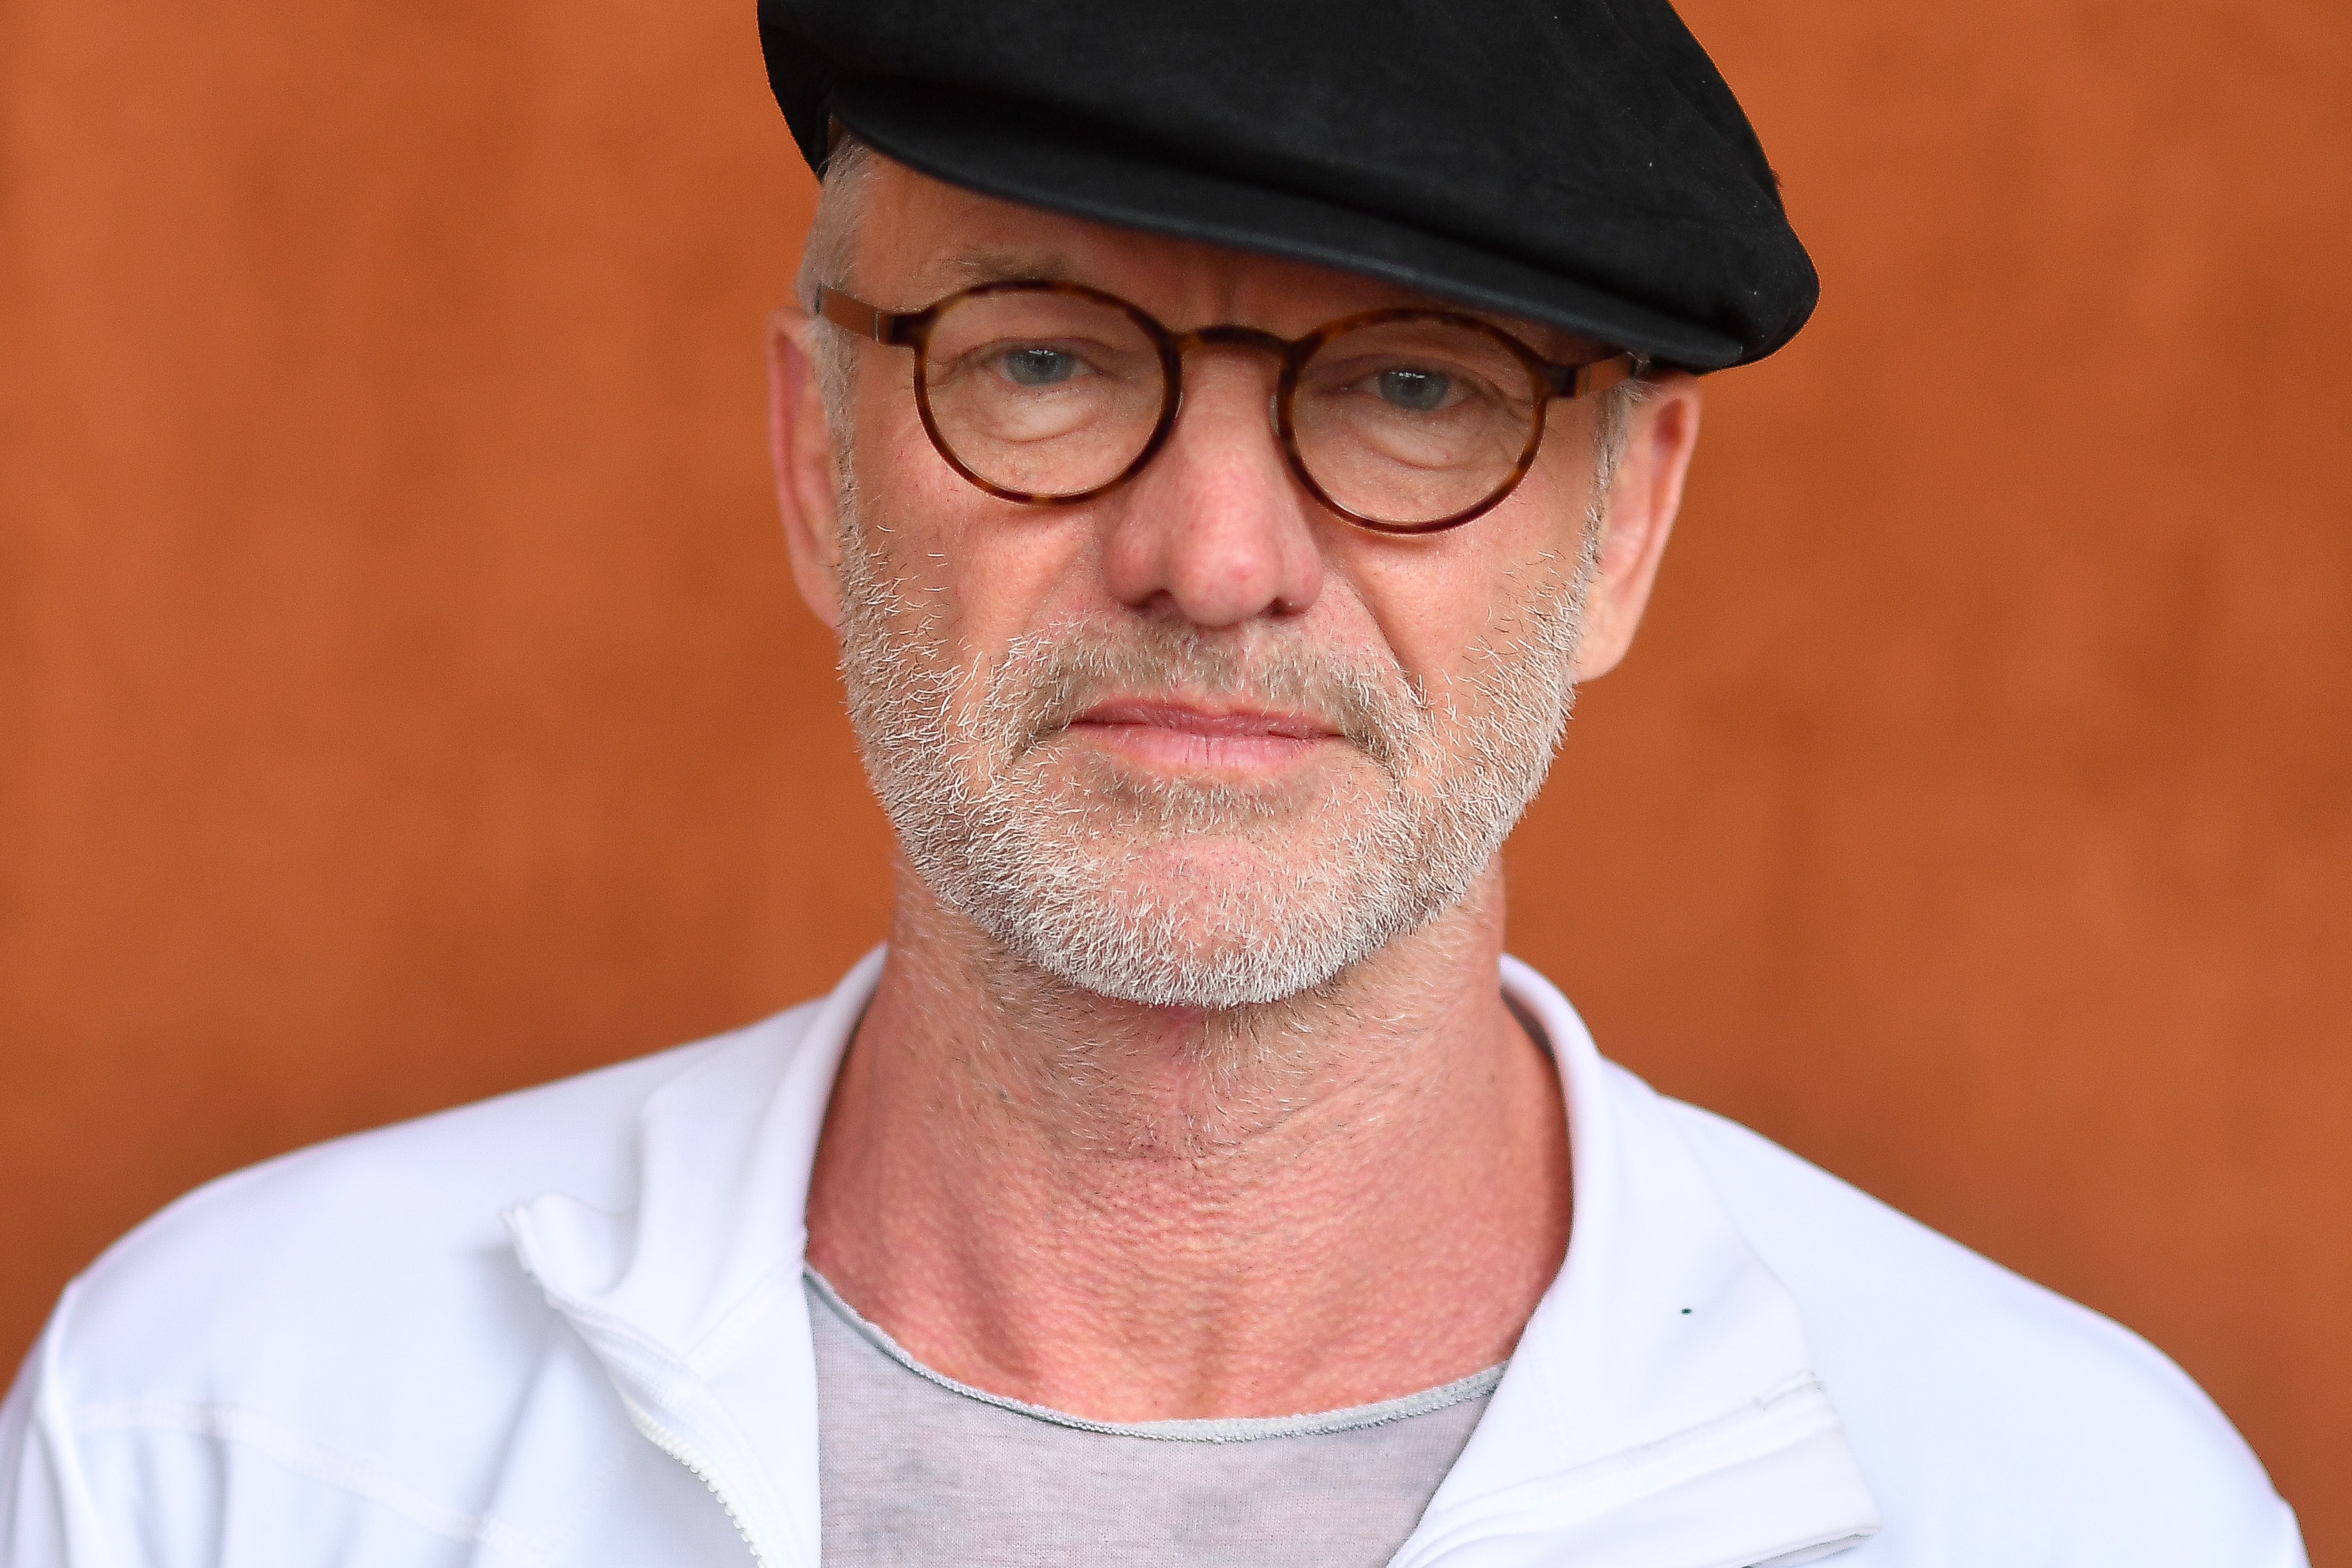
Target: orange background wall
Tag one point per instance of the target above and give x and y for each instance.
(401, 697)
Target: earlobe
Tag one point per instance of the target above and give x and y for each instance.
(1643, 496)
(800, 448)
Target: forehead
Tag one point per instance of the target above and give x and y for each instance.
(920, 239)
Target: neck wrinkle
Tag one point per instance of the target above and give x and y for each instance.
(1140, 1213)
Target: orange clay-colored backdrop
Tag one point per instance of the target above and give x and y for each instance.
(403, 697)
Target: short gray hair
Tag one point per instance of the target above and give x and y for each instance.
(830, 260)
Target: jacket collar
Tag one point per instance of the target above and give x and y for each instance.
(1660, 1409)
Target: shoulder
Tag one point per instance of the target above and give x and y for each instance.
(340, 1347)
(1981, 1407)
(356, 1253)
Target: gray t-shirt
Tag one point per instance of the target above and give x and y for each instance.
(914, 1468)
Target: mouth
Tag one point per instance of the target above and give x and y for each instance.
(1182, 737)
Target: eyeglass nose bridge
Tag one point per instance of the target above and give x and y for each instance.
(1233, 335)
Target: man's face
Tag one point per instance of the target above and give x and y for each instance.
(1200, 742)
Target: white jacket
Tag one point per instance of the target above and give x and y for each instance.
(566, 1327)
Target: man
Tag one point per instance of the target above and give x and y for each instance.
(1220, 437)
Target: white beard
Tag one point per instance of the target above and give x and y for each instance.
(1176, 893)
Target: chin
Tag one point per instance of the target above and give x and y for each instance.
(1203, 977)
(1196, 924)
(1194, 893)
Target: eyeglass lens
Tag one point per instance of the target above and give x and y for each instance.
(1053, 395)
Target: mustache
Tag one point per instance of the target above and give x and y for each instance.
(1048, 678)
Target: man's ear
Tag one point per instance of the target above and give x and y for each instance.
(800, 446)
(1662, 432)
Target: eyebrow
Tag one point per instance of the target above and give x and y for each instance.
(975, 267)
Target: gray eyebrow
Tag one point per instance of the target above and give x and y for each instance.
(972, 267)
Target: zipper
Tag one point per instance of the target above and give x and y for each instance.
(661, 1438)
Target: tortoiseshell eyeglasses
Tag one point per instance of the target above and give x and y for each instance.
(1402, 421)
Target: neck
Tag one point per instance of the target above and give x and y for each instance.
(1135, 1213)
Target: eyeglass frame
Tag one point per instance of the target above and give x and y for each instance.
(1550, 378)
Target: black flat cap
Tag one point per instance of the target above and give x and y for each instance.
(1578, 163)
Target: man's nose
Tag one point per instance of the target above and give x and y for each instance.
(1216, 528)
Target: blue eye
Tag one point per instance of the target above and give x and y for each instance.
(1039, 367)
(1416, 391)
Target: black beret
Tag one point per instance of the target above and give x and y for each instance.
(1578, 163)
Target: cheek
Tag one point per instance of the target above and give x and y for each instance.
(900, 474)
(1450, 606)
(980, 570)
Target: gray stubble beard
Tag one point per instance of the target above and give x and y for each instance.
(958, 759)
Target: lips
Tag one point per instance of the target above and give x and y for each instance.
(1144, 690)
(1184, 737)
(1213, 723)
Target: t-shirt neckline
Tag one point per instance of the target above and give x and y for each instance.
(1214, 1429)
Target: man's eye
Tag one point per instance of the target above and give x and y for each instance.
(1416, 391)
(1039, 367)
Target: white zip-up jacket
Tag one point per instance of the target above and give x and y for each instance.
(567, 1326)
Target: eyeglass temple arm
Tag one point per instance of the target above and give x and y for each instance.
(857, 316)
(1584, 379)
